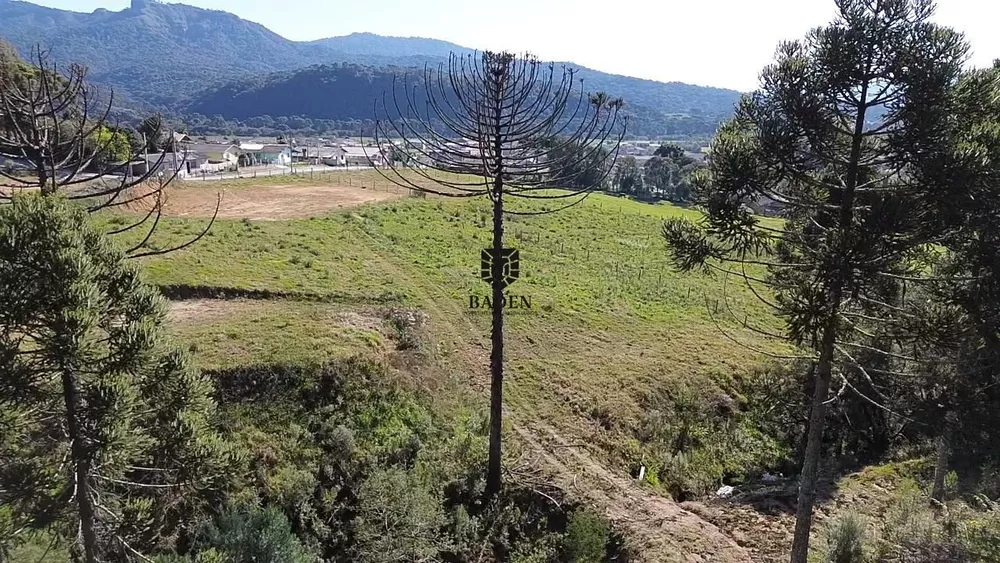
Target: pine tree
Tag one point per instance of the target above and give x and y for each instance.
(848, 132)
(513, 128)
(107, 437)
(962, 302)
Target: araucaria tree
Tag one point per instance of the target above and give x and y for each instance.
(105, 433)
(500, 126)
(850, 133)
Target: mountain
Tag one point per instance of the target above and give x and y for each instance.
(180, 59)
(367, 43)
(342, 95)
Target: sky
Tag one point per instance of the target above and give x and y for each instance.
(723, 43)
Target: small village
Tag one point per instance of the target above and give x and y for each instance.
(208, 157)
(215, 156)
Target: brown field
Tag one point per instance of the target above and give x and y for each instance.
(267, 203)
(285, 197)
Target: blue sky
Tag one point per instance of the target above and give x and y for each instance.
(709, 42)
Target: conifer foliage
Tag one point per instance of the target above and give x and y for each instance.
(852, 132)
(105, 433)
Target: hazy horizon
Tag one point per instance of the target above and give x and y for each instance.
(647, 44)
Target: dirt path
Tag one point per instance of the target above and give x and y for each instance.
(657, 528)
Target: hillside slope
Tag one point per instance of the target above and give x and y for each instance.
(583, 363)
(166, 56)
(343, 93)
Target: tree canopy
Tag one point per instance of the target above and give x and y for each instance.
(106, 430)
(853, 131)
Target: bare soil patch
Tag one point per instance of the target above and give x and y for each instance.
(657, 529)
(200, 311)
(270, 203)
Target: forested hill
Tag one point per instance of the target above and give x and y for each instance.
(346, 93)
(173, 57)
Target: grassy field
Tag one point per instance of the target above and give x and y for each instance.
(610, 319)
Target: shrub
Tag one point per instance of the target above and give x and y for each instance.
(913, 531)
(408, 326)
(697, 435)
(586, 539)
(399, 518)
(249, 533)
(845, 539)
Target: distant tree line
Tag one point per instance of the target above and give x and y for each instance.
(666, 175)
(331, 99)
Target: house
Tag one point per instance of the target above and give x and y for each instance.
(764, 205)
(334, 156)
(362, 156)
(330, 156)
(219, 156)
(184, 163)
(257, 154)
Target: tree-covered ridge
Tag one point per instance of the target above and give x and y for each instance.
(343, 96)
(163, 56)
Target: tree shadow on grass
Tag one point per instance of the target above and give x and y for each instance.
(185, 292)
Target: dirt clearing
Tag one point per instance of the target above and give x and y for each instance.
(658, 530)
(270, 203)
(202, 311)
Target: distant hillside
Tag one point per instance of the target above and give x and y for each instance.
(346, 93)
(368, 43)
(178, 58)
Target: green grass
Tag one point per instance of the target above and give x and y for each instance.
(41, 548)
(611, 318)
(325, 256)
(274, 332)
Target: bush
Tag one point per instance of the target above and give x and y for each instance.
(845, 539)
(694, 435)
(249, 533)
(399, 518)
(911, 530)
(586, 539)
(408, 326)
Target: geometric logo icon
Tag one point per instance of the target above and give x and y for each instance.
(510, 260)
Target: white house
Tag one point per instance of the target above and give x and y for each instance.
(362, 156)
(330, 156)
(255, 154)
(218, 157)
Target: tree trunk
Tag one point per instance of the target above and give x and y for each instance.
(943, 453)
(494, 469)
(824, 368)
(814, 449)
(45, 186)
(493, 477)
(81, 458)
